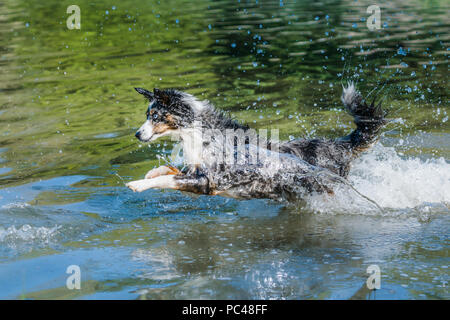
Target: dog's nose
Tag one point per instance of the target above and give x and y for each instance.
(138, 134)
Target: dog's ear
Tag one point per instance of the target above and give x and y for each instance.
(149, 95)
(162, 96)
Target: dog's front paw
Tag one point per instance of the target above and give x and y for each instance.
(161, 171)
(156, 172)
(136, 186)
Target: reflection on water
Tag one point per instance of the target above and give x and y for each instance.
(68, 113)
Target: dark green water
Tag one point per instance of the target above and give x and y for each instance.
(68, 113)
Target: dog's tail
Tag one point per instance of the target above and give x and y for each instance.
(369, 119)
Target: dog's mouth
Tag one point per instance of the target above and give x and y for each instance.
(153, 136)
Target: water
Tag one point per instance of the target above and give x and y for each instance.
(68, 112)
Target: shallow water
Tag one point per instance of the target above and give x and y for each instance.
(68, 112)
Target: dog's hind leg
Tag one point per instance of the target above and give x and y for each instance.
(195, 184)
(161, 171)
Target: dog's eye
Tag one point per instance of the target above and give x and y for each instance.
(155, 116)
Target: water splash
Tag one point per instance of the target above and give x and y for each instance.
(12, 205)
(399, 185)
(397, 182)
(27, 233)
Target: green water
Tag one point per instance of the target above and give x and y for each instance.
(68, 113)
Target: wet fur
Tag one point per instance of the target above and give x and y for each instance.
(305, 166)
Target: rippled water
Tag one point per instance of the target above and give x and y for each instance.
(68, 113)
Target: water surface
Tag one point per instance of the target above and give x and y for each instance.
(68, 113)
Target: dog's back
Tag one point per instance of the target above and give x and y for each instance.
(336, 155)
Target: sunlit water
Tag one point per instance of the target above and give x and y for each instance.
(68, 112)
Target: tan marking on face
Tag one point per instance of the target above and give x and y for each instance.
(160, 128)
(170, 121)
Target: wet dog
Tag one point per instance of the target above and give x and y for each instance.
(250, 167)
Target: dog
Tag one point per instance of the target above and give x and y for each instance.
(287, 170)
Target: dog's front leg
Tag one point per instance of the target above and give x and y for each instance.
(161, 182)
(193, 184)
(161, 171)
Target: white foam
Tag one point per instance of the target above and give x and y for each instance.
(27, 233)
(393, 182)
(15, 205)
(397, 182)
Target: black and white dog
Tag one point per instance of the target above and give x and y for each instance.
(279, 170)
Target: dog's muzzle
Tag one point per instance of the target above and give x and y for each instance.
(142, 136)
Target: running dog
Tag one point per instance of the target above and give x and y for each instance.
(283, 170)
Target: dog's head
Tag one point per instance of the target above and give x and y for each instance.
(169, 111)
